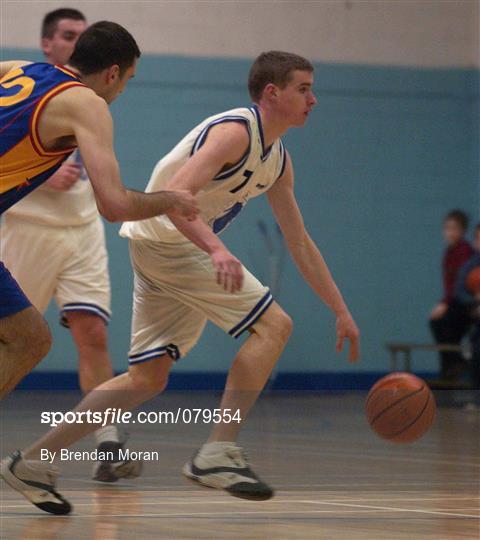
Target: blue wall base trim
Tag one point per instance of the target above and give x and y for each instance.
(291, 381)
(333, 380)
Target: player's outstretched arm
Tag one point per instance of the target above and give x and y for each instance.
(93, 128)
(226, 144)
(309, 260)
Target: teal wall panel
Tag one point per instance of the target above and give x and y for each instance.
(385, 154)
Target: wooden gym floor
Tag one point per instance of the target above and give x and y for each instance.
(334, 478)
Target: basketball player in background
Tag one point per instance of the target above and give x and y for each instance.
(58, 231)
(185, 275)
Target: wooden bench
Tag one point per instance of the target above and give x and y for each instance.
(404, 350)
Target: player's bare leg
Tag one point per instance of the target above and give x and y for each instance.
(126, 391)
(89, 333)
(24, 340)
(252, 368)
(90, 336)
(221, 463)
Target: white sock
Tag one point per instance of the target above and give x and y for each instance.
(107, 433)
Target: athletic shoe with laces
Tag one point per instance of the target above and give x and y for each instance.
(225, 467)
(35, 480)
(116, 467)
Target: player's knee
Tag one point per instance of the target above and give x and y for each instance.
(285, 326)
(279, 324)
(36, 342)
(44, 342)
(90, 331)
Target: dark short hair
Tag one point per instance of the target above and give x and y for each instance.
(102, 45)
(50, 21)
(274, 67)
(460, 217)
(477, 228)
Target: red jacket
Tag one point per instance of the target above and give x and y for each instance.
(454, 258)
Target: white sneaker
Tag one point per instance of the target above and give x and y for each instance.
(225, 466)
(35, 480)
(111, 470)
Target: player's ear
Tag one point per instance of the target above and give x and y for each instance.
(45, 45)
(113, 73)
(270, 91)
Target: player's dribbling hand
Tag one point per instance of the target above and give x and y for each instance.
(229, 270)
(184, 205)
(347, 329)
(65, 178)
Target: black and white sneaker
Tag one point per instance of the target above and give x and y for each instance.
(115, 466)
(35, 480)
(225, 467)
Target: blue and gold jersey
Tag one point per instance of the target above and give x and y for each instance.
(24, 163)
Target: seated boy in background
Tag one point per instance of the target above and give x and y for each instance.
(449, 321)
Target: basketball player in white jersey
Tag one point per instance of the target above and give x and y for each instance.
(57, 230)
(185, 275)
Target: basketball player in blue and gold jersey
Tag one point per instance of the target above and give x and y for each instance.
(45, 113)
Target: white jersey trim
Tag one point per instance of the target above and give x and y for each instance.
(258, 116)
(283, 155)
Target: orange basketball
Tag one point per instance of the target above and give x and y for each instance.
(473, 280)
(400, 407)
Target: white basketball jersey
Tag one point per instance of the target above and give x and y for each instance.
(226, 195)
(70, 208)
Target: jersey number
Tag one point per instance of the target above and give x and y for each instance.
(247, 175)
(16, 78)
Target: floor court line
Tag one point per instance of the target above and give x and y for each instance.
(358, 508)
(230, 514)
(387, 508)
